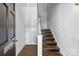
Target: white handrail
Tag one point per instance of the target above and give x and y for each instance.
(39, 25)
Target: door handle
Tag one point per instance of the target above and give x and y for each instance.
(14, 40)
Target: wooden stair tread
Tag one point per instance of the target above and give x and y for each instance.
(47, 53)
(50, 43)
(48, 38)
(53, 48)
(48, 35)
(49, 46)
(45, 29)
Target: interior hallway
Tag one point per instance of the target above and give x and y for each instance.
(21, 23)
(61, 18)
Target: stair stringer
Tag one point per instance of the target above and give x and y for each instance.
(56, 41)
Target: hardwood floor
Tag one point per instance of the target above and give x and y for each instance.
(29, 50)
(49, 53)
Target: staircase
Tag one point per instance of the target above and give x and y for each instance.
(50, 47)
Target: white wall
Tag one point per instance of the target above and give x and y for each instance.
(42, 14)
(30, 12)
(20, 30)
(64, 20)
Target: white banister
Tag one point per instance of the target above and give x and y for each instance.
(39, 45)
(39, 37)
(39, 26)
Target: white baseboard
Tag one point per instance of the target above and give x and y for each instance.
(20, 50)
(56, 41)
(31, 43)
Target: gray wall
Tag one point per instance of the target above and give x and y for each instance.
(63, 19)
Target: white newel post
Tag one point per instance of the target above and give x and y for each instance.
(40, 45)
(39, 37)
